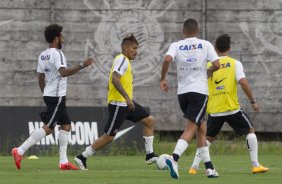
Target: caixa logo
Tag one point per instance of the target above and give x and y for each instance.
(82, 133)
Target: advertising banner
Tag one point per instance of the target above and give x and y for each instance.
(17, 123)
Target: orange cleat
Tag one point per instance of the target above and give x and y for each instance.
(259, 169)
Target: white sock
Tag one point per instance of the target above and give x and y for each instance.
(89, 151)
(63, 143)
(198, 158)
(149, 144)
(180, 147)
(35, 136)
(252, 144)
(205, 154)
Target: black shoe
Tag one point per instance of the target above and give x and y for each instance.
(151, 158)
(81, 162)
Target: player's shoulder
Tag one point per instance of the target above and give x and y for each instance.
(175, 43)
(237, 62)
(44, 55)
(205, 42)
(52, 52)
(43, 52)
(233, 59)
(120, 58)
(57, 52)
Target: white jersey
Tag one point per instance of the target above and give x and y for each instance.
(49, 62)
(191, 56)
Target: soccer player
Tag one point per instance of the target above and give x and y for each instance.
(121, 105)
(191, 56)
(223, 105)
(52, 79)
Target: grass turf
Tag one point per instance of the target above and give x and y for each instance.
(233, 169)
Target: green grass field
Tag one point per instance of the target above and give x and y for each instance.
(233, 169)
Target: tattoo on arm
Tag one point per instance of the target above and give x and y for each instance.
(116, 82)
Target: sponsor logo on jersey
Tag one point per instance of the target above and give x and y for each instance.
(190, 69)
(191, 60)
(217, 82)
(225, 65)
(191, 47)
(219, 87)
(47, 57)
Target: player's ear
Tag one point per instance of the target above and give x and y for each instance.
(57, 39)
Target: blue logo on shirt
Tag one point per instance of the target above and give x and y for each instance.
(191, 60)
(47, 57)
(191, 47)
(225, 65)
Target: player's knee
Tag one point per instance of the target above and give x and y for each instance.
(150, 121)
(47, 129)
(251, 130)
(66, 127)
(48, 132)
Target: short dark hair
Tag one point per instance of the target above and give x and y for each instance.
(52, 31)
(129, 39)
(190, 26)
(222, 43)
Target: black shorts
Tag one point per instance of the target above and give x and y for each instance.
(239, 122)
(118, 114)
(56, 112)
(193, 105)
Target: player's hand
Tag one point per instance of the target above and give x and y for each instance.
(164, 85)
(130, 104)
(256, 107)
(88, 62)
(209, 72)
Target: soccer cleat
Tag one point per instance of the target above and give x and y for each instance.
(17, 157)
(81, 162)
(68, 166)
(259, 169)
(173, 167)
(151, 158)
(211, 173)
(192, 171)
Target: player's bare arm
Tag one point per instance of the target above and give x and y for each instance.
(166, 63)
(65, 72)
(116, 82)
(41, 81)
(247, 90)
(215, 66)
